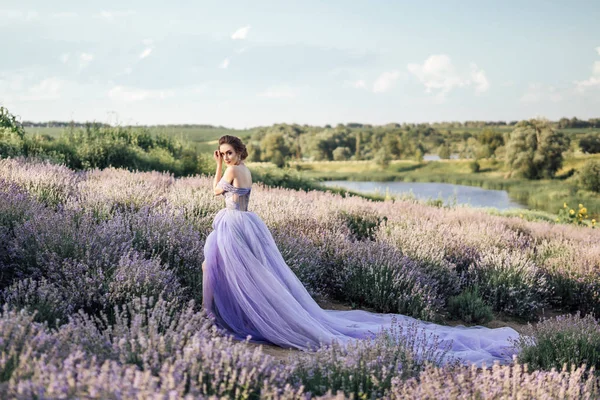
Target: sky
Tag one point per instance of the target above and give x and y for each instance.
(242, 64)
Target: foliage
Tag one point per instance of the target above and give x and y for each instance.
(363, 225)
(474, 166)
(580, 217)
(444, 151)
(274, 149)
(9, 123)
(341, 153)
(589, 176)
(534, 149)
(470, 307)
(491, 141)
(590, 144)
(382, 158)
(511, 283)
(567, 339)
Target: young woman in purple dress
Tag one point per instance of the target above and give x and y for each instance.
(249, 290)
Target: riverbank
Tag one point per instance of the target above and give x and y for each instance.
(547, 195)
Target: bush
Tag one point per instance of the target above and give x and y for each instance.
(510, 283)
(42, 297)
(470, 307)
(365, 369)
(474, 166)
(534, 150)
(590, 144)
(589, 176)
(362, 225)
(567, 339)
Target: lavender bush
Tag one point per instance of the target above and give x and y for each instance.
(511, 283)
(138, 277)
(499, 382)
(563, 340)
(47, 300)
(86, 249)
(366, 369)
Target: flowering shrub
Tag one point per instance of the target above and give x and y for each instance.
(511, 283)
(563, 340)
(42, 297)
(365, 369)
(86, 249)
(499, 382)
(135, 277)
(577, 217)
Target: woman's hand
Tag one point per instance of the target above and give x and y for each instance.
(218, 157)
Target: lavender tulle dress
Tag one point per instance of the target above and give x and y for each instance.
(250, 290)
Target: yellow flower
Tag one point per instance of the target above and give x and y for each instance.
(565, 205)
(556, 219)
(583, 210)
(580, 205)
(571, 211)
(521, 215)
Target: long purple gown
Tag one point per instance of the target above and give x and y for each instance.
(250, 290)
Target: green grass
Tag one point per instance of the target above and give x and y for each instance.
(204, 139)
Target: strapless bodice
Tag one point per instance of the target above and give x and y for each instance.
(235, 198)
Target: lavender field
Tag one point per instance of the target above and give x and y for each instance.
(100, 286)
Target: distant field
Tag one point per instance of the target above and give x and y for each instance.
(204, 139)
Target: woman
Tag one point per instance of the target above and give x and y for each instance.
(249, 290)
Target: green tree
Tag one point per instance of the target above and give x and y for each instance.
(382, 157)
(253, 152)
(589, 176)
(274, 149)
(341, 154)
(535, 150)
(444, 151)
(9, 121)
(590, 143)
(490, 141)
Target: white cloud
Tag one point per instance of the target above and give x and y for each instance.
(64, 58)
(112, 15)
(148, 42)
(47, 89)
(19, 15)
(479, 79)
(85, 59)
(125, 94)
(241, 33)
(385, 81)
(359, 84)
(242, 50)
(439, 76)
(592, 81)
(64, 14)
(278, 92)
(537, 92)
(224, 64)
(146, 53)
(598, 49)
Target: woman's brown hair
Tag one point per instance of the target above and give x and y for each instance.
(236, 143)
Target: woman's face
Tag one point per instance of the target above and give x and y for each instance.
(228, 153)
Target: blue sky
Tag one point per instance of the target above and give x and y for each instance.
(248, 63)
